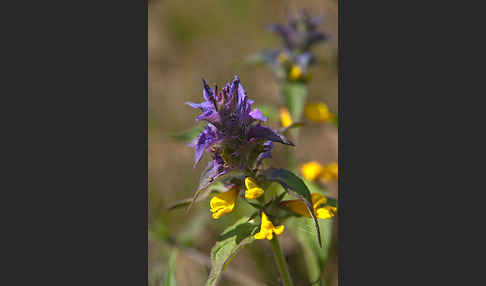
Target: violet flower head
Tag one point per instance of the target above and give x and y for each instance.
(292, 61)
(301, 32)
(234, 134)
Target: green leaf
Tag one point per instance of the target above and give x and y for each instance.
(291, 126)
(331, 202)
(170, 277)
(296, 187)
(315, 188)
(186, 202)
(189, 134)
(229, 243)
(315, 256)
(295, 96)
(217, 187)
(205, 181)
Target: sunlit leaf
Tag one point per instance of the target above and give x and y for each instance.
(296, 187)
(228, 245)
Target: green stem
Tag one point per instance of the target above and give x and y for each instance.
(282, 265)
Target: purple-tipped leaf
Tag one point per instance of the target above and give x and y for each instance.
(263, 132)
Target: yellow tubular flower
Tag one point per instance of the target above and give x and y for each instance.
(298, 207)
(253, 191)
(295, 73)
(311, 170)
(223, 203)
(267, 229)
(326, 212)
(330, 172)
(285, 117)
(318, 112)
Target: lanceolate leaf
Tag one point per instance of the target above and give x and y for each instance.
(206, 180)
(296, 187)
(186, 202)
(293, 125)
(217, 187)
(229, 243)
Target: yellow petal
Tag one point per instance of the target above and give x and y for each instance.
(318, 112)
(223, 203)
(295, 73)
(311, 170)
(254, 193)
(285, 117)
(318, 200)
(267, 226)
(265, 219)
(267, 229)
(264, 227)
(228, 197)
(279, 229)
(297, 206)
(250, 183)
(270, 235)
(217, 202)
(260, 235)
(326, 212)
(218, 213)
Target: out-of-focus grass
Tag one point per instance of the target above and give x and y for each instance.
(211, 38)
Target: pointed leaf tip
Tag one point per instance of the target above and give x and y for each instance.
(296, 187)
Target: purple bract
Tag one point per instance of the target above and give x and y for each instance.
(301, 32)
(234, 134)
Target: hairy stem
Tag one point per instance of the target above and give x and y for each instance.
(282, 265)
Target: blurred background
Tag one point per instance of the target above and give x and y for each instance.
(211, 39)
